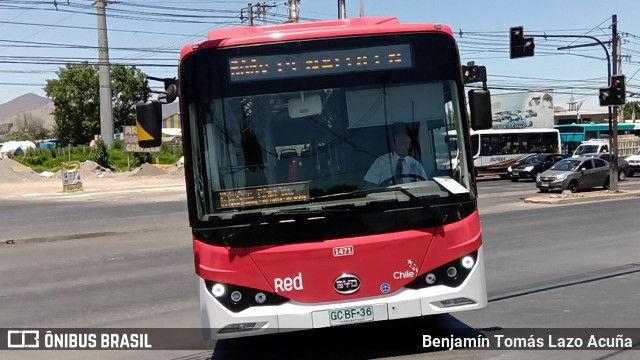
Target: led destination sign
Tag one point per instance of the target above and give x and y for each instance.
(313, 63)
(263, 195)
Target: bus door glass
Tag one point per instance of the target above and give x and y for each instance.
(549, 142)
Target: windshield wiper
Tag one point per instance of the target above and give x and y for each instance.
(269, 216)
(364, 192)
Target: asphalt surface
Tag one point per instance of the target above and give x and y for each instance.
(548, 266)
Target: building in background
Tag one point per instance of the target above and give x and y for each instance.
(522, 110)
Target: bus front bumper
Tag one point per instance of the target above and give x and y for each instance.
(220, 323)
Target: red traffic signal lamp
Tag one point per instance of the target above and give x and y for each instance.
(519, 46)
(615, 94)
(618, 90)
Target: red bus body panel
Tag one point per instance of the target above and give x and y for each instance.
(255, 35)
(308, 270)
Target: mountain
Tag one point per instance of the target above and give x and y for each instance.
(29, 105)
(32, 105)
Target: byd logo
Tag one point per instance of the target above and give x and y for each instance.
(288, 283)
(346, 284)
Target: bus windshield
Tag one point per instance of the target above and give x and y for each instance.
(281, 143)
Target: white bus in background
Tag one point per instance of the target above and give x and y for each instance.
(495, 150)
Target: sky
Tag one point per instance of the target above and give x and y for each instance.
(36, 39)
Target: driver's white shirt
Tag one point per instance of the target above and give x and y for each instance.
(384, 168)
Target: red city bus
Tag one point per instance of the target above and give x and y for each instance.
(301, 216)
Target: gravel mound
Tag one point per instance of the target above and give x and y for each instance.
(148, 170)
(90, 170)
(13, 171)
(176, 171)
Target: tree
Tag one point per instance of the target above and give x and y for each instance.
(17, 136)
(76, 96)
(31, 125)
(628, 109)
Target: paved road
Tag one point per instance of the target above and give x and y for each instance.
(555, 266)
(496, 195)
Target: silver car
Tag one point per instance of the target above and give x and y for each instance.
(574, 174)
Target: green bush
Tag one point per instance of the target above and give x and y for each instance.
(170, 154)
(41, 160)
(142, 158)
(100, 154)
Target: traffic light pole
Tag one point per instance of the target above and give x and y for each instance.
(613, 143)
(613, 125)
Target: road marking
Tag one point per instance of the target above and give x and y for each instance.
(82, 194)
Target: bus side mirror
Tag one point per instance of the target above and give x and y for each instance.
(149, 124)
(480, 109)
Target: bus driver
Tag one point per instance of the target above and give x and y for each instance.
(396, 167)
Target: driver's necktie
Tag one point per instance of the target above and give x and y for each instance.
(398, 174)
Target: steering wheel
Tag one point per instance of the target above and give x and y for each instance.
(389, 181)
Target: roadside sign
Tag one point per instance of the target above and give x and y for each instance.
(71, 176)
(130, 141)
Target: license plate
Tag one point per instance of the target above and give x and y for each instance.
(544, 185)
(350, 315)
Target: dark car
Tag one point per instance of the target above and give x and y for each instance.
(533, 164)
(624, 169)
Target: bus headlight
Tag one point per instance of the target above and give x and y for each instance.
(430, 278)
(467, 262)
(260, 298)
(451, 274)
(238, 298)
(217, 290)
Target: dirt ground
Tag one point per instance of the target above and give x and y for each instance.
(18, 180)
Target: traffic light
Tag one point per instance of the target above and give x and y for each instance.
(519, 46)
(615, 94)
(618, 92)
(605, 96)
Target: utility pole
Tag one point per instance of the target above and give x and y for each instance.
(613, 140)
(261, 10)
(106, 110)
(342, 9)
(294, 10)
(250, 14)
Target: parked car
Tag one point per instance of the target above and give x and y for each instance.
(624, 169)
(634, 163)
(574, 174)
(529, 166)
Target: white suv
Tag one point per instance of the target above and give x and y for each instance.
(634, 163)
(591, 146)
